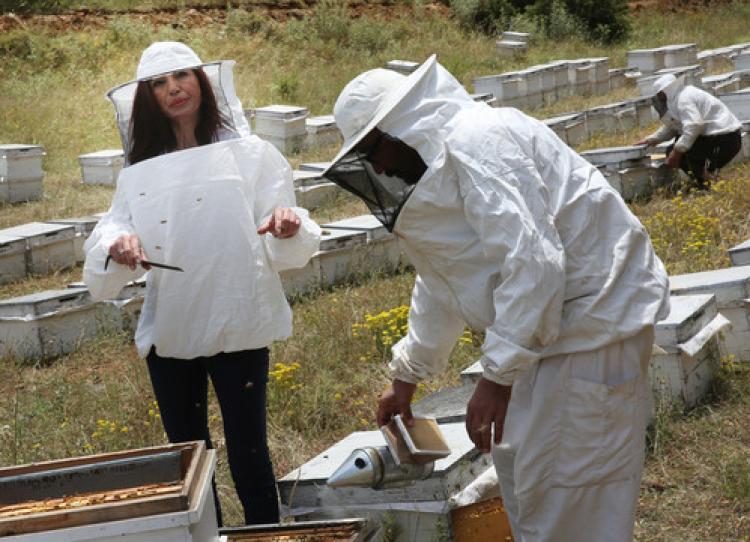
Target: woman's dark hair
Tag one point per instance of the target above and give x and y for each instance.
(150, 130)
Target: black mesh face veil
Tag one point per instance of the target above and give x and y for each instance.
(383, 194)
(659, 104)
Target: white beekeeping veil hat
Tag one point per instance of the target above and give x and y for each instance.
(165, 57)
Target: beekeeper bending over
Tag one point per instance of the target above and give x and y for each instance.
(511, 232)
(202, 194)
(708, 134)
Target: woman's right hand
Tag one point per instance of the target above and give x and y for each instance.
(127, 250)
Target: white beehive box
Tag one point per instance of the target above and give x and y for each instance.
(615, 155)
(374, 229)
(738, 103)
(617, 78)
(533, 84)
(419, 508)
(21, 161)
(731, 286)
(504, 87)
(683, 54)
(575, 127)
(646, 60)
(688, 349)
(404, 67)
(302, 280)
(524, 37)
(47, 324)
(645, 114)
(638, 182)
(509, 48)
(317, 195)
(740, 254)
(742, 61)
(600, 119)
(20, 190)
(12, 258)
(101, 167)
(83, 228)
(185, 514)
(382, 252)
(338, 255)
(563, 88)
(322, 130)
(49, 247)
(646, 84)
(280, 121)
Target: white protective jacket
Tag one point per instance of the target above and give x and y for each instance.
(691, 112)
(512, 232)
(199, 209)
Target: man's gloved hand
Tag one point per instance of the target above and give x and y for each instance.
(488, 405)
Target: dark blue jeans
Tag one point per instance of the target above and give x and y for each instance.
(239, 379)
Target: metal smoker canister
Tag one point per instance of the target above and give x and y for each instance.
(375, 467)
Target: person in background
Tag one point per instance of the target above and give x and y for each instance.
(513, 233)
(707, 134)
(202, 194)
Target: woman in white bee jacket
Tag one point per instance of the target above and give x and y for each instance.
(202, 194)
(513, 233)
(707, 134)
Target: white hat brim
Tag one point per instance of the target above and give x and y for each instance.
(411, 81)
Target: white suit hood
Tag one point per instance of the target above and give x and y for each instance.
(513, 233)
(167, 56)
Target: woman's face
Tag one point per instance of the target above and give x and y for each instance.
(178, 94)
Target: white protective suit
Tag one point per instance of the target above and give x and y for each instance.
(691, 112)
(513, 233)
(199, 209)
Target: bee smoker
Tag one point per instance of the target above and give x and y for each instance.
(374, 467)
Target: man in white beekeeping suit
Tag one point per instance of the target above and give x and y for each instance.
(511, 232)
(708, 134)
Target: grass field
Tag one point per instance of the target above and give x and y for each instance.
(53, 74)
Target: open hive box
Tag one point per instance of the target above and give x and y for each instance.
(72, 493)
(345, 530)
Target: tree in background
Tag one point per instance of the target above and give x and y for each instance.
(605, 21)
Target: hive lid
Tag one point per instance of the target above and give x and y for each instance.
(280, 111)
(106, 157)
(366, 223)
(718, 278)
(37, 229)
(83, 224)
(42, 303)
(688, 314)
(18, 150)
(612, 155)
(321, 121)
(11, 240)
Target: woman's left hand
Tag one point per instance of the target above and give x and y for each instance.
(284, 222)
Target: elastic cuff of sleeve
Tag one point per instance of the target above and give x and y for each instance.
(502, 379)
